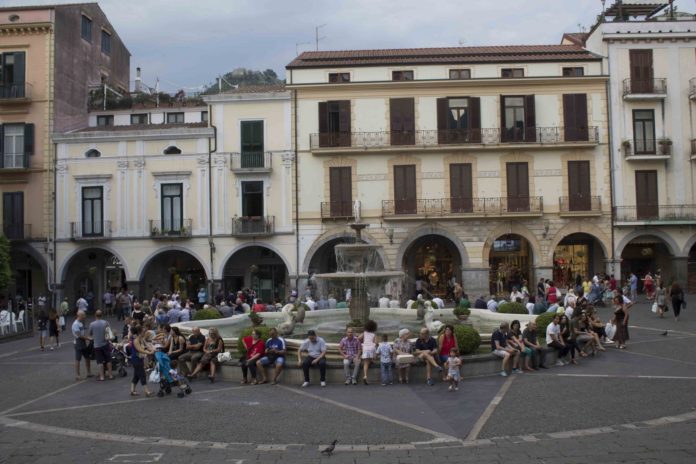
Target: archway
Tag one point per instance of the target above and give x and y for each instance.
(258, 268)
(646, 253)
(173, 271)
(578, 254)
(429, 263)
(28, 273)
(90, 273)
(510, 263)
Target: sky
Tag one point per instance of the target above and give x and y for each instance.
(188, 43)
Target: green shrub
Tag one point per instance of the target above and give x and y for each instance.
(205, 314)
(246, 332)
(464, 303)
(306, 308)
(255, 318)
(543, 321)
(461, 311)
(468, 339)
(512, 308)
(414, 305)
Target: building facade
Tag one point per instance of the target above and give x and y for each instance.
(49, 58)
(197, 200)
(648, 52)
(486, 164)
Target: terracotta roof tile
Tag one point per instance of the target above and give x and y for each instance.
(458, 55)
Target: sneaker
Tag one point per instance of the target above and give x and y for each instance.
(50, 348)
(430, 382)
(439, 368)
(347, 382)
(305, 385)
(384, 384)
(560, 363)
(516, 371)
(323, 384)
(355, 382)
(608, 342)
(503, 373)
(456, 389)
(450, 388)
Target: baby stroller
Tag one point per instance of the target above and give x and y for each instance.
(119, 360)
(169, 377)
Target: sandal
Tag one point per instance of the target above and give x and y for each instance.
(243, 382)
(111, 378)
(262, 382)
(254, 382)
(149, 394)
(134, 394)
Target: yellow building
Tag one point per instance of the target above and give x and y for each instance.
(488, 165)
(49, 58)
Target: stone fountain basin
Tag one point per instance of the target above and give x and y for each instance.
(330, 324)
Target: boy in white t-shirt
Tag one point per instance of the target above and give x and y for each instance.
(453, 365)
(386, 352)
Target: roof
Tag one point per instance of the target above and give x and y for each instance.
(576, 38)
(45, 7)
(258, 89)
(635, 8)
(454, 55)
(142, 127)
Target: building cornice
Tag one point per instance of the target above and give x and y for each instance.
(25, 29)
(117, 136)
(246, 97)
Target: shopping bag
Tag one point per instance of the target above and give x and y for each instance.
(654, 307)
(154, 376)
(610, 330)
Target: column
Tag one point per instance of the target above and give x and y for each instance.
(613, 266)
(541, 272)
(679, 270)
(475, 282)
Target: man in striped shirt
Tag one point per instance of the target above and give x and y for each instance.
(350, 348)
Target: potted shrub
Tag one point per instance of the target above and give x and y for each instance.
(255, 318)
(512, 308)
(665, 144)
(462, 312)
(468, 339)
(626, 145)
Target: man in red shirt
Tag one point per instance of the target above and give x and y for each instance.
(259, 307)
(255, 349)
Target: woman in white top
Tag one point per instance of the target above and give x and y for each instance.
(369, 346)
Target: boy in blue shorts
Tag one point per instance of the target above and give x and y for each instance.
(275, 354)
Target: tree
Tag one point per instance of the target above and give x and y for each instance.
(241, 77)
(5, 269)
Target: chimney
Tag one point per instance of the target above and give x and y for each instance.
(138, 80)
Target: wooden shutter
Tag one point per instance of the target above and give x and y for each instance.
(442, 120)
(529, 119)
(517, 187)
(2, 147)
(475, 119)
(13, 215)
(504, 136)
(646, 195)
(641, 64)
(344, 123)
(405, 189)
(323, 124)
(579, 194)
(341, 191)
(461, 188)
(575, 117)
(402, 121)
(28, 143)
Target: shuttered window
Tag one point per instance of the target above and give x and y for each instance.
(517, 187)
(518, 122)
(575, 117)
(334, 123)
(86, 29)
(646, 195)
(16, 145)
(405, 189)
(461, 190)
(341, 191)
(579, 195)
(459, 120)
(13, 215)
(12, 75)
(402, 121)
(641, 64)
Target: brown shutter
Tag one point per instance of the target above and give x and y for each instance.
(442, 120)
(323, 124)
(344, 123)
(518, 187)
(340, 190)
(641, 65)
(504, 136)
(575, 117)
(405, 189)
(579, 191)
(2, 147)
(403, 121)
(646, 195)
(461, 188)
(529, 119)
(475, 119)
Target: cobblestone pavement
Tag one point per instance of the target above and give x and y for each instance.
(632, 406)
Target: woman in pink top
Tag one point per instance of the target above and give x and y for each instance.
(369, 346)
(551, 294)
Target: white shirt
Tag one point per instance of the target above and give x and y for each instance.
(569, 311)
(311, 304)
(438, 301)
(530, 308)
(515, 295)
(492, 305)
(626, 300)
(554, 329)
(384, 302)
(82, 304)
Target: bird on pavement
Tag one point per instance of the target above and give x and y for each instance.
(330, 449)
(664, 334)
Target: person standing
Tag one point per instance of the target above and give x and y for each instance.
(81, 304)
(42, 328)
(661, 299)
(369, 346)
(202, 297)
(98, 331)
(386, 354)
(108, 300)
(64, 310)
(54, 328)
(633, 283)
(80, 341)
(139, 351)
(621, 323)
(677, 295)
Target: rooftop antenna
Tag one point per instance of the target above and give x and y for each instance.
(297, 46)
(316, 35)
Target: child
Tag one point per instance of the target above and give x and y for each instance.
(368, 339)
(42, 327)
(385, 358)
(453, 364)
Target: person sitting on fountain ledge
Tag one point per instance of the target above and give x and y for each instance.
(350, 349)
(426, 351)
(315, 348)
(501, 348)
(275, 354)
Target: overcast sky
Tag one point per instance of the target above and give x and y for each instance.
(187, 43)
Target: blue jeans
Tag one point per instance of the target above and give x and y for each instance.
(386, 371)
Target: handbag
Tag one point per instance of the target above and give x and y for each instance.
(154, 376)
(61, 321)
(88, 351)
(654, 307)
(610, 330)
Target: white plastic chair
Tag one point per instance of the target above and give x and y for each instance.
(19, 320)
(4, 322)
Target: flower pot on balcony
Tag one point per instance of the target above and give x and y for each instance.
(626, 147)
(665, 146)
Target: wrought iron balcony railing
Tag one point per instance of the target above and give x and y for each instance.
(16, 231)
(644, 86)
(251, 161)
(336, 209)
(94, 230)
(580, 204)
(440, 207)
(651, 213)
(181, 228)
(253, 225)
(15, 92)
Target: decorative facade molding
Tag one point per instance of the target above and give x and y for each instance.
(488, 173)
(371, 177)
(547, 172)
(122, 165)
(434, 175)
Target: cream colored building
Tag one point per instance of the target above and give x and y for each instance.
(486, 164)
(648, 51)
(200, 201)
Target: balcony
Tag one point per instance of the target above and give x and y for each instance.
(16, 232)
(654, 215)
(580, 205)
(475, 139)
(692, 88)
(337, 210)
(171, 229)
(246, 226)
(644, 89)
(90, 230)
(15, 93)
(647, 149)
(251, 162)
(462, 207)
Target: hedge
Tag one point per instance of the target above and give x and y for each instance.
(205, 314)
(468, 339)
(246, 332)
(512, 308)
(461, 311)
(543, 321)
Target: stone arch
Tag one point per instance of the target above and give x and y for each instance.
(579, 228)
(152, 256)
(434, 229)
(671, 244)
(515, 229)
(337, 234)
(689, 243)
(242, 246)
(62, 269)
(35, 254)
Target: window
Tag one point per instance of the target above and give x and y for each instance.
(460, 74)
(105, 120)
(334, 124)
(172, 208)
(405, 201)
(172, 150)
(93, 153)
(518, 119)
(573, 72)
(575, 117)
(12, 75)
(175, 118)
(137, 119)
(106, 43)
(641, 65)
(13, 215)
(509, 73)
(402, 75)
(341, 192)
(251, 144)
(459, 119)
(204, 116)
(402, 121)
(647, 199)
(92, 211)
(644, 132)
(16, 145)
(337, 78)
(461, 188)
(86, 28)
(252, 199)
(579, 186)
(517, 187)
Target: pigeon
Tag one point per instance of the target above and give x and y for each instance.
(664, 334)
(329, 449)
